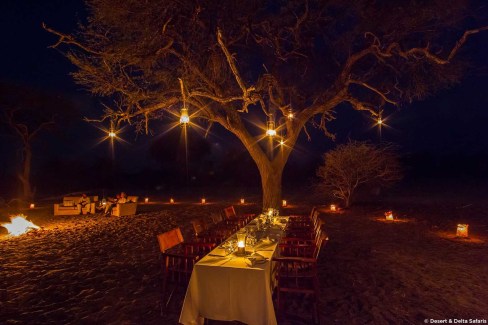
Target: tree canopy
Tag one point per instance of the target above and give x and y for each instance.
(242, 63)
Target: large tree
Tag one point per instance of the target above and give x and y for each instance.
(235, 63)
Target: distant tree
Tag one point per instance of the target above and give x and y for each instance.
(27, 113)
(26, 134)
(258, 64)
(355, 164)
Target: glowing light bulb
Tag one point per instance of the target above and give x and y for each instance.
(380, 121)
(282, 142)
(271, 133)
(112, 134)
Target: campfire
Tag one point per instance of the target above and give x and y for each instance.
(19, 225)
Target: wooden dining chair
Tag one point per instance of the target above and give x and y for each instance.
(305, 231)
(177, 261)
(231, 214)
(297, 274)
(205, 234)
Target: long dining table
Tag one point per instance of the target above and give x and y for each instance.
(229, 287)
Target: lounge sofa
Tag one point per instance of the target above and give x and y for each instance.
(69, 208)
(126, 209)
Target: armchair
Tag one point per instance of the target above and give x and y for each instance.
(126, 209)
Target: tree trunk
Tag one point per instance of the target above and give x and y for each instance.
(271, 184)
(25, 175)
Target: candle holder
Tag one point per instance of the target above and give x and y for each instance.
(462, 230)
(241, 242)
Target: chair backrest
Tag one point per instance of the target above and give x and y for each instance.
(199, 226)
(230, 212)
(314, 210)
(322, 240)
(170, 239)
(216, 218)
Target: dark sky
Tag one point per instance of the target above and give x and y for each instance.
(453, 122)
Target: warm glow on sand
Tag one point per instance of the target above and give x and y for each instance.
(19, 225)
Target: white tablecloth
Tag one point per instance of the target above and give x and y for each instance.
(229, 288)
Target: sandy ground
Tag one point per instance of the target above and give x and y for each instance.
(97, 270)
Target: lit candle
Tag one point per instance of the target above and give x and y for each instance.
(333, 207)
(284, 203)
(243, 201)
(462, 230)
(204, 201)
(32, 206)
(389, 215)
(172, 201)
(146, 200)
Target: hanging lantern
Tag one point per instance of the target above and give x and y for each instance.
(171, 201)
(184, 117)
(462, 230)
(270, 130)
(32, 206)
(203, 200)
(290, 114)
(284, 203)
(112, 133)
(389, 215)
(146, 200)
(333, 207)
(243, 201)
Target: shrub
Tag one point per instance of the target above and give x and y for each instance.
(355, 164)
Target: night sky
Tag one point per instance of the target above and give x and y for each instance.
(448, 128)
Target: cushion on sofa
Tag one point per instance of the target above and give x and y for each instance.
(69, 203)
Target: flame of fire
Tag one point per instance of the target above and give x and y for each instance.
(19, 225)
